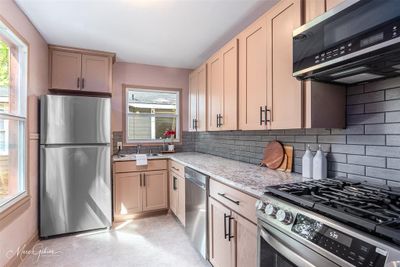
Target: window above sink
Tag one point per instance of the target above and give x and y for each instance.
(149, 113)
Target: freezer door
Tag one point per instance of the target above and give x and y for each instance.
(74, 120)
(75, 189)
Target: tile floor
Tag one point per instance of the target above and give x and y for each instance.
(156, 241)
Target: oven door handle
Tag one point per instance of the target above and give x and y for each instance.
(284, 250)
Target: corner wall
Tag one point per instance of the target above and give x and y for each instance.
(24, 227)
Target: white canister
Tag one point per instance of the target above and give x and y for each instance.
(171, 147)
(307, 163)
(320, 165)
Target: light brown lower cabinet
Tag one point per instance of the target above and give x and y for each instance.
(177, 195)
(137, 192)
(232, 238)
(155, 190)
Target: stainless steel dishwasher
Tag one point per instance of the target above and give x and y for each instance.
(196, 195)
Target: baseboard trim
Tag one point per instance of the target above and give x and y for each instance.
(16, 260)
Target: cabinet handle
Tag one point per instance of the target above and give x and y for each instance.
(261, 112)
(225, 233)
(77, 82)
(176, 169)
(195, 124)
(83, 83)
(237, 202)
(266, 116)
(230, 236)
(144, 180)
(174, 183)
(140, 175)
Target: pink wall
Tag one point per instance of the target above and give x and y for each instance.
(146, 75)
(25, 226)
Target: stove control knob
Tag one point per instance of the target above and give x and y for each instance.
(284, 216)
(270, 210)
(260, 205)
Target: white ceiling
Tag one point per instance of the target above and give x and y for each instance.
(174, 33)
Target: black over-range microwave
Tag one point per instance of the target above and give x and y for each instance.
(357, 41)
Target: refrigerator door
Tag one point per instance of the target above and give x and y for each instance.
(75, 189)
(74, 120)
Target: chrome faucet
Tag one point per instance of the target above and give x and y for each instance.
(138, 147)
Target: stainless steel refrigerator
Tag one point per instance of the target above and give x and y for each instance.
(75, 178)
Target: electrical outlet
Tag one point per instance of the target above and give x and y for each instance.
(119, 145)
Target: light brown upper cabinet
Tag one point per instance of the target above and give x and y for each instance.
(253, 76)
(65, 70)
(197, 99)
(315, 8)
(284, 92)
(80, 70)
(324, 104)
(222, 88)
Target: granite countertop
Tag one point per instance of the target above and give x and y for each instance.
(246, 177)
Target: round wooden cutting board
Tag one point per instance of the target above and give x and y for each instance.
(274, 154)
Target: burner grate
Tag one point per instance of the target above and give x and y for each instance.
(375, 209)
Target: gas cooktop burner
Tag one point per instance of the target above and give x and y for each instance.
(372, 208)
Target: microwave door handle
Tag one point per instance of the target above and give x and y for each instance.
(284, 250)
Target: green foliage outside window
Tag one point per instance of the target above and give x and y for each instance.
(4, 65)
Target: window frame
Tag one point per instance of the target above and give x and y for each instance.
(17, 204)
(125, 90)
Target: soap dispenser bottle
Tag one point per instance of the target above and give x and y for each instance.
(307, 163)
(320, 168)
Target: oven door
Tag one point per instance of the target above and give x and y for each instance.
(276, 249)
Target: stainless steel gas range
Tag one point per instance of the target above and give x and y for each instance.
(329, 222)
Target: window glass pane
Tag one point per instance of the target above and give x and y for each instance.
(142, 127)
(150, 113)
(13, 72)
(4, 76)
(164, 124)
(12, 159)
(152, 102)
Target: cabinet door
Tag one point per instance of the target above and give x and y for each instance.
(173, 192)
(214, 91)
(96, 74)
(128, 194)
(193, 96)
(181, 199)
(201, 98)
(229, 55)
(222, 251)
(65, 70)
(313, 8)
(284, 91)
(246, 242)
(155, 188)
(332, 3)
(252, 75)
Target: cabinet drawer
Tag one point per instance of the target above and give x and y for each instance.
(130, 166)
(177, 168)
(236, 200)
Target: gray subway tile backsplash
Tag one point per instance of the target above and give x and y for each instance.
(367, 150)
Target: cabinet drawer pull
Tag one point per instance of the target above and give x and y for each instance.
(237, 202)
(176, 169)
